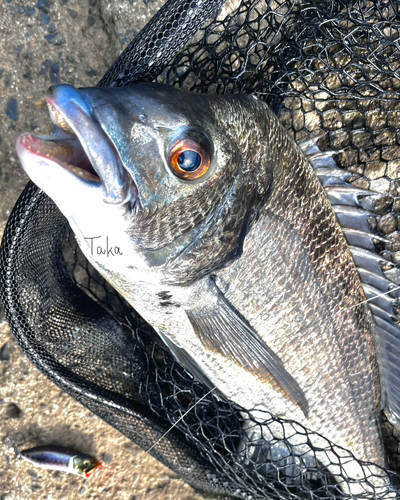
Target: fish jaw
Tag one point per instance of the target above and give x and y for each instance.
(49, 153)
(56, 175)
(76, 112)
(91, 151)
(63, 164)
(78, 170)
(79, 195)
(74, 190)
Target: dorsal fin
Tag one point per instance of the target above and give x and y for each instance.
(347, 195)
(322, 160)
(353, 217)
(333, 176)
(357, 238)
(350, 211)
(368, 260)
(379, 298)
(376, 280)
(380, 313)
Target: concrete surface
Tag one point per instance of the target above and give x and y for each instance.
(44, 42)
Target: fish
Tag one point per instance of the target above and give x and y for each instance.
(215, 226)
(59, 458)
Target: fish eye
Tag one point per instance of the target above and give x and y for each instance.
(189, 160)
(86, 463)
(190, 156)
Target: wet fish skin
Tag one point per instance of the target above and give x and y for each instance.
(253, 247)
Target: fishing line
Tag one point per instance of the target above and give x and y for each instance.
(179, 419)
(144, 452)
(182, 417)
(372, 298)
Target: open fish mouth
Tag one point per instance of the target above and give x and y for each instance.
(79, 145)
(65, 151)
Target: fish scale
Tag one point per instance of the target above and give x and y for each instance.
(341, 285)
(345, 278)
(290, 356)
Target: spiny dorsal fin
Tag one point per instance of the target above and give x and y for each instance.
(376, 280)
(384, 301)
(357, 238)
(333, 176)
(349, 204)
(368, 260)
(381, 313)
(353, 217)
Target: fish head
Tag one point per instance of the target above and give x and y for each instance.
(161, 172)
(85, 464)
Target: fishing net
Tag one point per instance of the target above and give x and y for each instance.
(329, 69)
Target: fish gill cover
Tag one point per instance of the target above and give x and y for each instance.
(329, 67)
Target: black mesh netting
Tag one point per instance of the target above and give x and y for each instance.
(324, 66)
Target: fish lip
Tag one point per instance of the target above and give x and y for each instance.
(119, 189)
(26, 142)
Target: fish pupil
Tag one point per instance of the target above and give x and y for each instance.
(189, 161)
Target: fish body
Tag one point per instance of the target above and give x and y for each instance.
(62, 459)
(227, 245)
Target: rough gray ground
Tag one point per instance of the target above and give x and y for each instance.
(44, 42)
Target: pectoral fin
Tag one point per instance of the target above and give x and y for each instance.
(223, 329)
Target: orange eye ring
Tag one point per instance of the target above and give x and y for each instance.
(186, 145)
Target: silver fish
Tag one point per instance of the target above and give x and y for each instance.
(211, 222)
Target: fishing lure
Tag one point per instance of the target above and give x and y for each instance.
(59, 458)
